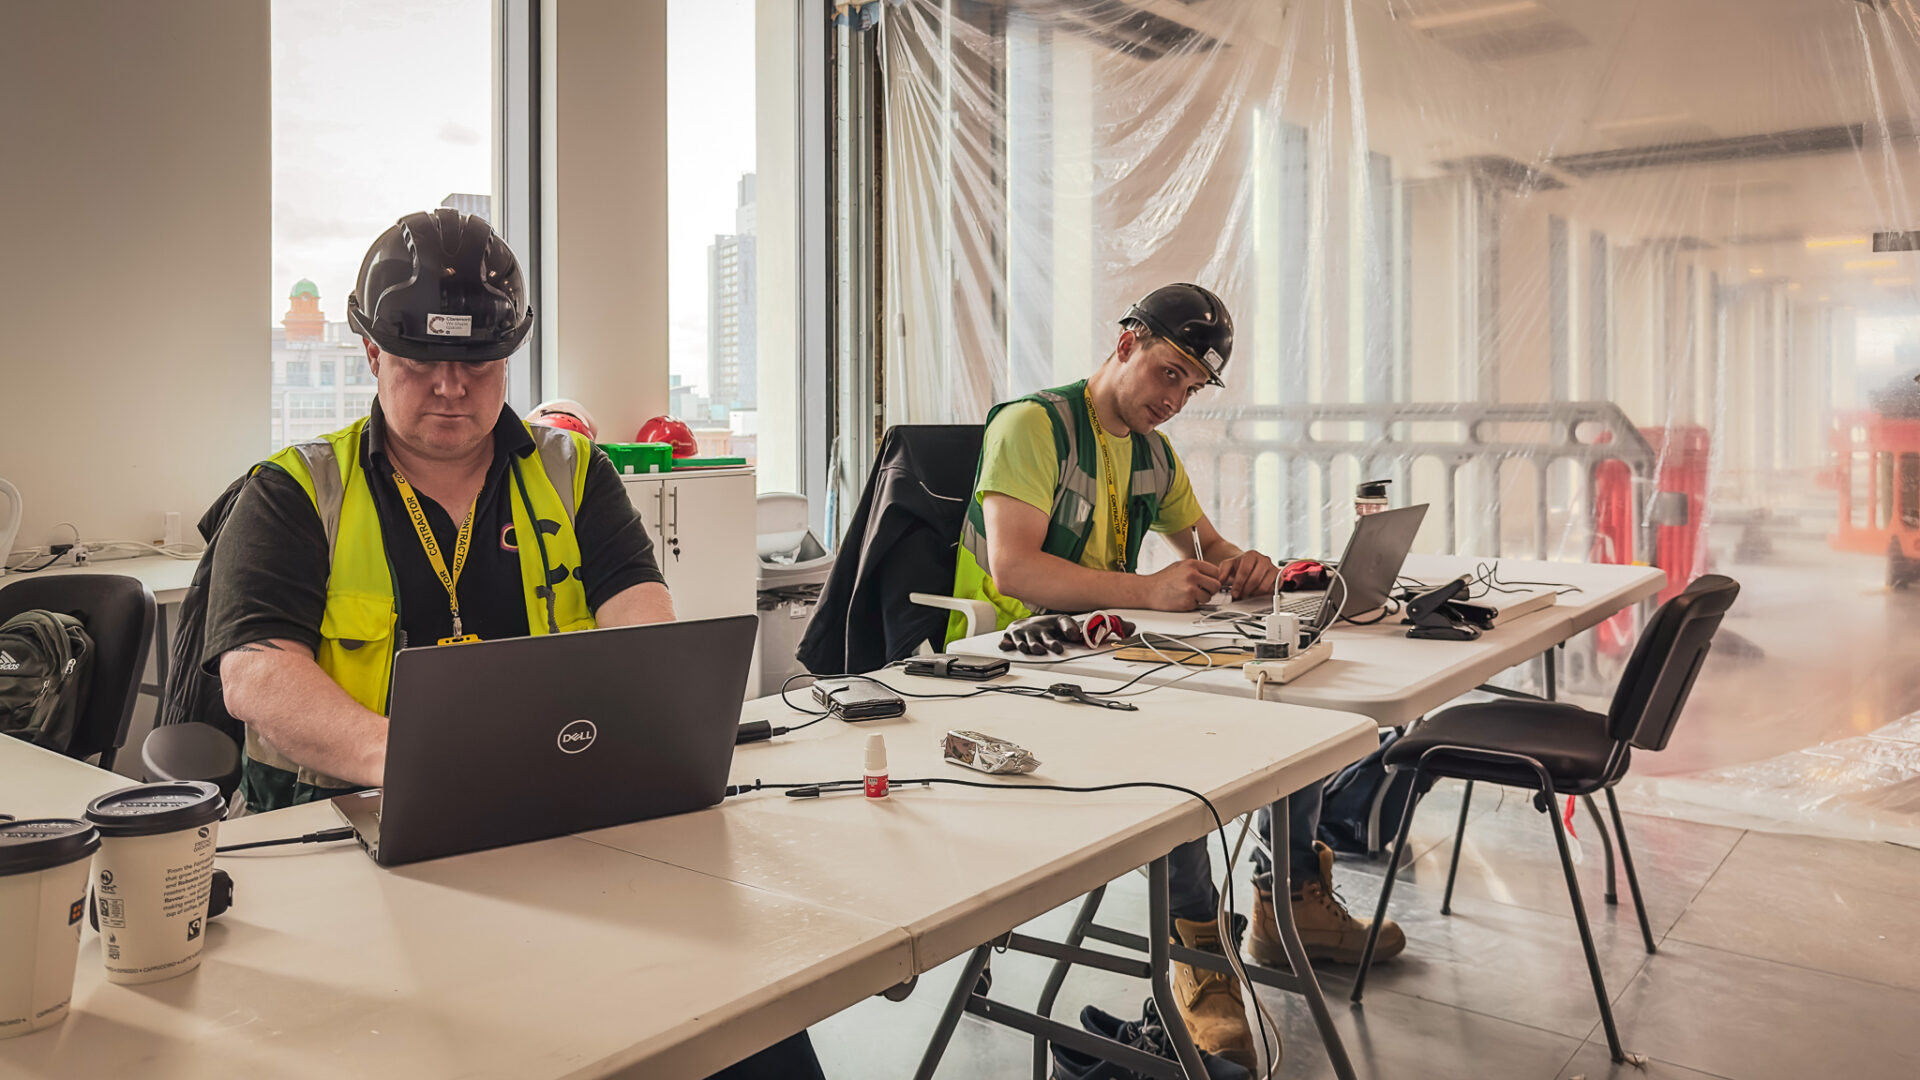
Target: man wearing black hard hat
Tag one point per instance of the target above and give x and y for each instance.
(440, 518)
(1070, 481)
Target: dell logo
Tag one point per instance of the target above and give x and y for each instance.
(577, 736)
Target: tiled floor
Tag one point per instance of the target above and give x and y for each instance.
(1780, 957)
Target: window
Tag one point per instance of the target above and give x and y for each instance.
(354, 148)
(735, 103)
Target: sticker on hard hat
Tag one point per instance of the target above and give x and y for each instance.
(450, 325)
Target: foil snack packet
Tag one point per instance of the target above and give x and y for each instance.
(987, 754)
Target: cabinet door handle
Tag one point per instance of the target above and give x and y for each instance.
(672, 531)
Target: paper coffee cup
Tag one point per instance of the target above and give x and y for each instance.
(43, 897)
(152, 876)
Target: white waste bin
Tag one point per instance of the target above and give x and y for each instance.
(794, 565)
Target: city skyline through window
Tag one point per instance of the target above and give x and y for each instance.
(354, 149)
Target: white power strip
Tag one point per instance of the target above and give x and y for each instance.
(1281, 671)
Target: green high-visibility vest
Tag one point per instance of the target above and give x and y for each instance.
(1077, 502)
(359, 626)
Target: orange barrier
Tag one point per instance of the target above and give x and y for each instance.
(1876, 474)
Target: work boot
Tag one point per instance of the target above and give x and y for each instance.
(1210, 1001)
(1326, 928)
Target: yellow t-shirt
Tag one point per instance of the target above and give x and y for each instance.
(1017, 459)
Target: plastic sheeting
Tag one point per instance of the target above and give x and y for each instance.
(1597, 278)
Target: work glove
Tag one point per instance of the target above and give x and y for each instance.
(1038, 635)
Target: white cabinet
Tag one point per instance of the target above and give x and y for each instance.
(702, 525)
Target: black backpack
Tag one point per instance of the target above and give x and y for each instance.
(1362, 804)
(46, 668)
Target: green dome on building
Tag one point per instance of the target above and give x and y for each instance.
(303, 287)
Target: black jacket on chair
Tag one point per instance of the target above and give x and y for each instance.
(903, 539)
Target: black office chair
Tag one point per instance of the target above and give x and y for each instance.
(1556, 749)
(118, 613)
(890, 587)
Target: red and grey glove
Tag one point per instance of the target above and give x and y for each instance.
(1104, 628)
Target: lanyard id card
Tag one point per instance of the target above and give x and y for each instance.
(449, 579)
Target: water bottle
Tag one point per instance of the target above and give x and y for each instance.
(1370, 497)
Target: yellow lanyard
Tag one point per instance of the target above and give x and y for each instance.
(1116, 517)
(449, 580)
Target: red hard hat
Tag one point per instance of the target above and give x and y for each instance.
(669, 429)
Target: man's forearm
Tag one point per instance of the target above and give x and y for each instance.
(277, 689)
(1042, 580)
(1220, 551)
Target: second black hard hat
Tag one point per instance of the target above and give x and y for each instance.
(1192, 320)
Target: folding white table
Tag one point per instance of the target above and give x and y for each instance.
(1004, 857)
(561, 958)
(1377, 670)
(673, 947)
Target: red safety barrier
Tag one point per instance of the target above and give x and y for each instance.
(1678, 547)
(1613, 542)
(1879, 512)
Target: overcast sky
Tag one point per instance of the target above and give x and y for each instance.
(381, 108)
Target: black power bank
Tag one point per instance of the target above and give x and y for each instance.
(856, 700)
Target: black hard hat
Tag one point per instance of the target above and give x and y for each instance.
(441, 285)
(1192, 320)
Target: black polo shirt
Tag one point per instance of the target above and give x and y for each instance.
(271, 562)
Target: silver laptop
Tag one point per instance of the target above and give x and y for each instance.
(502, 742)
(1368, 570)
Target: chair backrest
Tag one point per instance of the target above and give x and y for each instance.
(118, 613)
(902, 539)
(1660, 674)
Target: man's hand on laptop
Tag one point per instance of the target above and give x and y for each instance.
(1183, 586)
(1248, 574)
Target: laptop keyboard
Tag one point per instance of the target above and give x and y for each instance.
(1306, 607)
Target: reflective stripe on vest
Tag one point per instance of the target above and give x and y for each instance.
(359, 626)
(1075, 498)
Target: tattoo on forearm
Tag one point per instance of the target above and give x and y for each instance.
(259, 646)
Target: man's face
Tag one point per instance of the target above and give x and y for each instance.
(441, 410)
(1156, 382)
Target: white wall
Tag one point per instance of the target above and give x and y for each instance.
(135, 220)
(604, 197)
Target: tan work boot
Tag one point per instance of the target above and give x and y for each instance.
(1326, 928)
(1210, 1002)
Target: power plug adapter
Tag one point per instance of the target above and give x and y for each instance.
(1283, 671)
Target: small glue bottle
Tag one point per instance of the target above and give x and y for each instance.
(875, 772)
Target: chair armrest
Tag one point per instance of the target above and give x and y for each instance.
(980, 615)
(192, 751)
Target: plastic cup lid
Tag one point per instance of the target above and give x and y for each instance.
(149, 809)
(44, 843)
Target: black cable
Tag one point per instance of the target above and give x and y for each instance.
(806, 791)
(51, 559)
(324, 836)
(1387, 611)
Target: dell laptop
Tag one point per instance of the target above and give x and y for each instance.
(502, 742)
(1375, 553)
